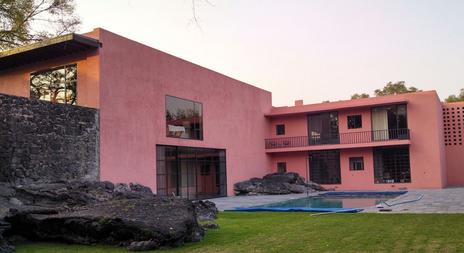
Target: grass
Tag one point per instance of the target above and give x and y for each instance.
(300, 232)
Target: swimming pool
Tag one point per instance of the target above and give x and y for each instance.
(329, 202)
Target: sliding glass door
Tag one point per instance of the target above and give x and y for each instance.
(194, 173)
(323, 128)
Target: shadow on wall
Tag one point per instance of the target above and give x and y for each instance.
(43, 141)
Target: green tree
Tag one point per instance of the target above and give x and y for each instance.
(27, 21)
(395, 88)
(456, 98)
(358, 96)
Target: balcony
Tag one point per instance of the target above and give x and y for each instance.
(337, 139)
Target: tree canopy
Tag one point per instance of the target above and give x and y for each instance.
(27, 21)
(389, 89)
(358, 96)
(394, 89)
(455, 98)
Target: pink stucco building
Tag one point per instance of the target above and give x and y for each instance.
(183, 129)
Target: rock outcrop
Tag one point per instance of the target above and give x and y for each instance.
(97, 212)
(276, 183)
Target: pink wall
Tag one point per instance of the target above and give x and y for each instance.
(453, 118)
(296, 162)
(134, 81)
(427, 154)
(128, 81)
(294, 126)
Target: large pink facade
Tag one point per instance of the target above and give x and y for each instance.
(128, 82)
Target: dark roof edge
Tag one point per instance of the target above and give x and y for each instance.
(91, 42)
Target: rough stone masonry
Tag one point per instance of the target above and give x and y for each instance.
(43, 141)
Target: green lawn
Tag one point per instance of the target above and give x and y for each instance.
(300, 232)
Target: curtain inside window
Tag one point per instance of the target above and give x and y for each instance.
(380, 124)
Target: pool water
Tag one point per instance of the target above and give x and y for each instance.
(333, 201)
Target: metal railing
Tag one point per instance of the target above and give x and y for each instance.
(341, 138)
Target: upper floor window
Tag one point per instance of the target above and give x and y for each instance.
(280, 129)
(184, 118)
(323, 128)
(390, 122)
(58, 85)
(354, 121)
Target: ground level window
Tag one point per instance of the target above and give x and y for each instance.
(281, 167)
(194, 173)
(391, 165)
(356, 163)
(324, 166)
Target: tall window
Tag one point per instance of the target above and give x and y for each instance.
(390, 122)
(324, 166)
(58, 85)
(391, 165)
(184, 118)
(323, 128)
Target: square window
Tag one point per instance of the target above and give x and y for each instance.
(184, 118)
(356, 163)
(280, 129)
(281, 167)
(354, 121)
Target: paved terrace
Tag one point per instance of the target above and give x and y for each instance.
(449, 200)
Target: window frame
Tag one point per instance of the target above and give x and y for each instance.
(353, 161)
(65, 66)
(200, 130)
(354, 120)
(280, 129)
(284, 167)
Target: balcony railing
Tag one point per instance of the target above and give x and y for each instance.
(342, 138)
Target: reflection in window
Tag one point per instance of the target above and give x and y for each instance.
(57, 85)
(184, 118)
(189, 172)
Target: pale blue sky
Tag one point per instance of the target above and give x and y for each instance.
(310, 49)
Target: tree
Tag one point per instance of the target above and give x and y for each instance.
(27, 21)
(454, 98)
(358, 96)
(394, 89)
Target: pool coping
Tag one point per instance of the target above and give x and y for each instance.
(264, 208)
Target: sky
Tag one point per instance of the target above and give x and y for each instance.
(315, 50)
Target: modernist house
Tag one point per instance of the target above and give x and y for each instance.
(183, 129)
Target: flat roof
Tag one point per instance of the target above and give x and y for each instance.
(46, 49)
(344, 104)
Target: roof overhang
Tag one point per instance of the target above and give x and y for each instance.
(337, 106)
(46, 49)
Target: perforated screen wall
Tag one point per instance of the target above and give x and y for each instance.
(453, 123)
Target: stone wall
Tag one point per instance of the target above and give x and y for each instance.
(42, 141)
